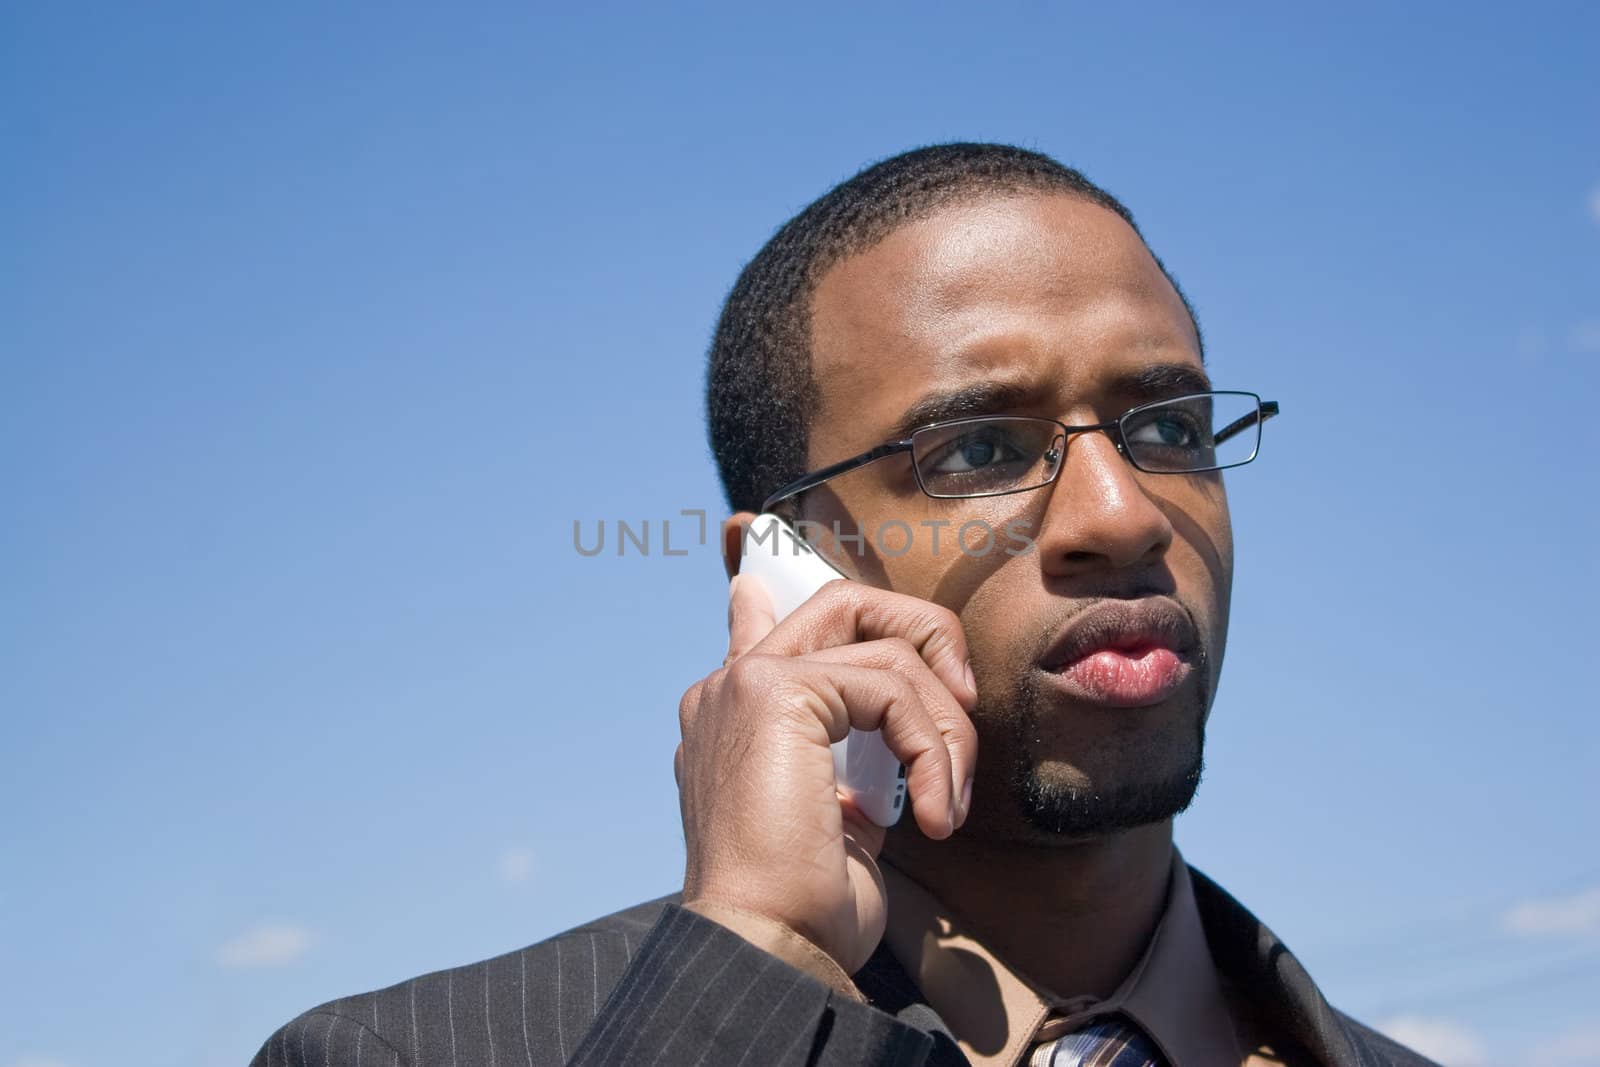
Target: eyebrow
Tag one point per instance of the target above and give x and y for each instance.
(980, 398)
(1156, 381)
(1160, 381)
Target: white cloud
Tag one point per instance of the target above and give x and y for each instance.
(1450, 1043)
(1577, 914)
(1586, 336)
(516, 864)
(1576, 1048)
(268, 945)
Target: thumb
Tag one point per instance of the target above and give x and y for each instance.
(750, 615)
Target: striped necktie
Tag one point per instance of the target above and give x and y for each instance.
(1110, 1041)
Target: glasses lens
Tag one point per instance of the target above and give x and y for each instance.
(1207, 431)
(986, 456)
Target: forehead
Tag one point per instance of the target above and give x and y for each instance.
(1050, 292)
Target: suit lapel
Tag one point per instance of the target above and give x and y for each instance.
(1242, 946)
(1262, 966)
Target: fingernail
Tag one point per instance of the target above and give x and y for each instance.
(972, 679)
(966, 800)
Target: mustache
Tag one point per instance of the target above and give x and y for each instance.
(1056, 623)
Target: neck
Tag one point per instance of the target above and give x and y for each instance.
(1072, 918)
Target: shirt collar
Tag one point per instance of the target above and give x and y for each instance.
(1173, 992)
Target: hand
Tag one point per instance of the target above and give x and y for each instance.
(765, 829)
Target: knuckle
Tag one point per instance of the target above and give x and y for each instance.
(901, 650)
(757, 678)
(689, 704)
(965, 734)
(905, 694)
(945, 619)
(794, 710)
(929, 773)
(838, 593)
(744, 672)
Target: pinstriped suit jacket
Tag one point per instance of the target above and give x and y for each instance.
(660, 985)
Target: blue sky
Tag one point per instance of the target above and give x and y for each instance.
(318, 330)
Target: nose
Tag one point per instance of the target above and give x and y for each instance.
(1099, 516)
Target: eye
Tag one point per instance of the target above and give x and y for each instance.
(974, 451)
(986, 455)
(1169, 428)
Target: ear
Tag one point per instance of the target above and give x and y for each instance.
(733, 528)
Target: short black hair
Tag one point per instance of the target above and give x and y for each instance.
(759, 388)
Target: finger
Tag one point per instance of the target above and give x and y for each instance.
(750, 616)
(954, 724)
(861, 832)
(863, 841)
(836, 697)
(845, 612)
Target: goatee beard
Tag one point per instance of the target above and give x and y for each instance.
(1082, 812)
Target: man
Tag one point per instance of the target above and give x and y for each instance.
(965, 339)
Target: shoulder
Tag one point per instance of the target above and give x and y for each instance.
(1279, 991)
(533, 1004)
(1383, 1049)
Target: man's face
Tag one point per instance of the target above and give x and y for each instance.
(1056, 303)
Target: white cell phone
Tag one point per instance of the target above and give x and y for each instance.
(791, 570)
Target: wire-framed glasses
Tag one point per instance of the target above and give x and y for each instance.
(991, 455)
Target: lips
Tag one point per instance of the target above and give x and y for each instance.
(1124, 653)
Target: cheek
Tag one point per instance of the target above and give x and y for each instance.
(1201, 554)
(994, 595)
(953, 555)
(1225, 577)
(1222, 536)
(1004, 614)
(1205, 578)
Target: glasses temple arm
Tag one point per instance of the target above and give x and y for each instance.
(817, 477)
(1267, 409)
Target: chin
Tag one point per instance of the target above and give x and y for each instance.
(1118, 784)
(1081, 771)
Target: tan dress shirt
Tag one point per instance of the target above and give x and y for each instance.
(1173, 993)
